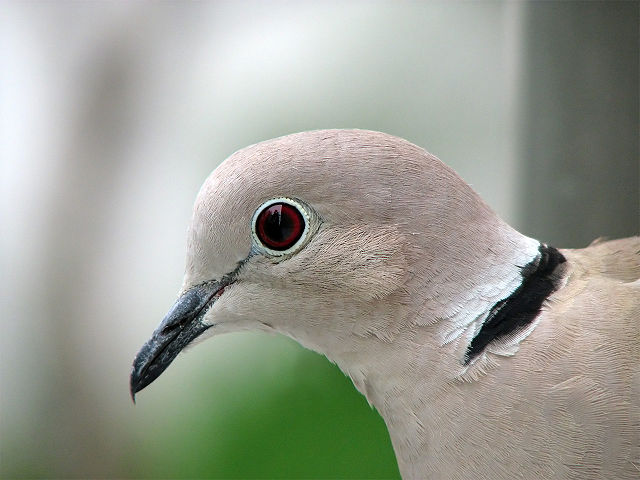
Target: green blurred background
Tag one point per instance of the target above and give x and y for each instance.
(112, 115)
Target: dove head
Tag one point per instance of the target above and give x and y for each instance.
(330, 237)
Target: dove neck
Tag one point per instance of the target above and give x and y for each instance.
(454, 283)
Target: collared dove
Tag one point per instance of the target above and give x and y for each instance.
(489, 355)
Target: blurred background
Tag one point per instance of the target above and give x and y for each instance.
(113, 113)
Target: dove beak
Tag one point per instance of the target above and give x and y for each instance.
(180, 326)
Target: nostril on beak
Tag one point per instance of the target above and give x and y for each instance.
(175, 326)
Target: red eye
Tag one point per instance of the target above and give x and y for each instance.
(279, 226)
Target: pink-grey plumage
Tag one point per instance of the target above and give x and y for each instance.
(403, 265)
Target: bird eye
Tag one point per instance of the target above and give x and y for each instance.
(279, 225)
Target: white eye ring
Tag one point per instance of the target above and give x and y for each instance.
(299, 233)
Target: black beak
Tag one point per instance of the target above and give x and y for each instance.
(180, 327)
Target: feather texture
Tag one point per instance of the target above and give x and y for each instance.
(404, 273)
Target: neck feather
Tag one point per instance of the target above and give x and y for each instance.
(510, 317)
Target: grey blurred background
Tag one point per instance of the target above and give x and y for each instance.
(112, 115)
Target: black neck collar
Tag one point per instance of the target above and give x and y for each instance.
(539, 280)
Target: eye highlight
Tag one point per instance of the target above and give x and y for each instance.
(280, 226)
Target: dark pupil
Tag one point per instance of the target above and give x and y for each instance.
(280, 226)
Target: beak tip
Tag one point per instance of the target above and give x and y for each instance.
(134, 383)
(133, 391)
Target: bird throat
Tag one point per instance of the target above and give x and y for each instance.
(540, 278)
